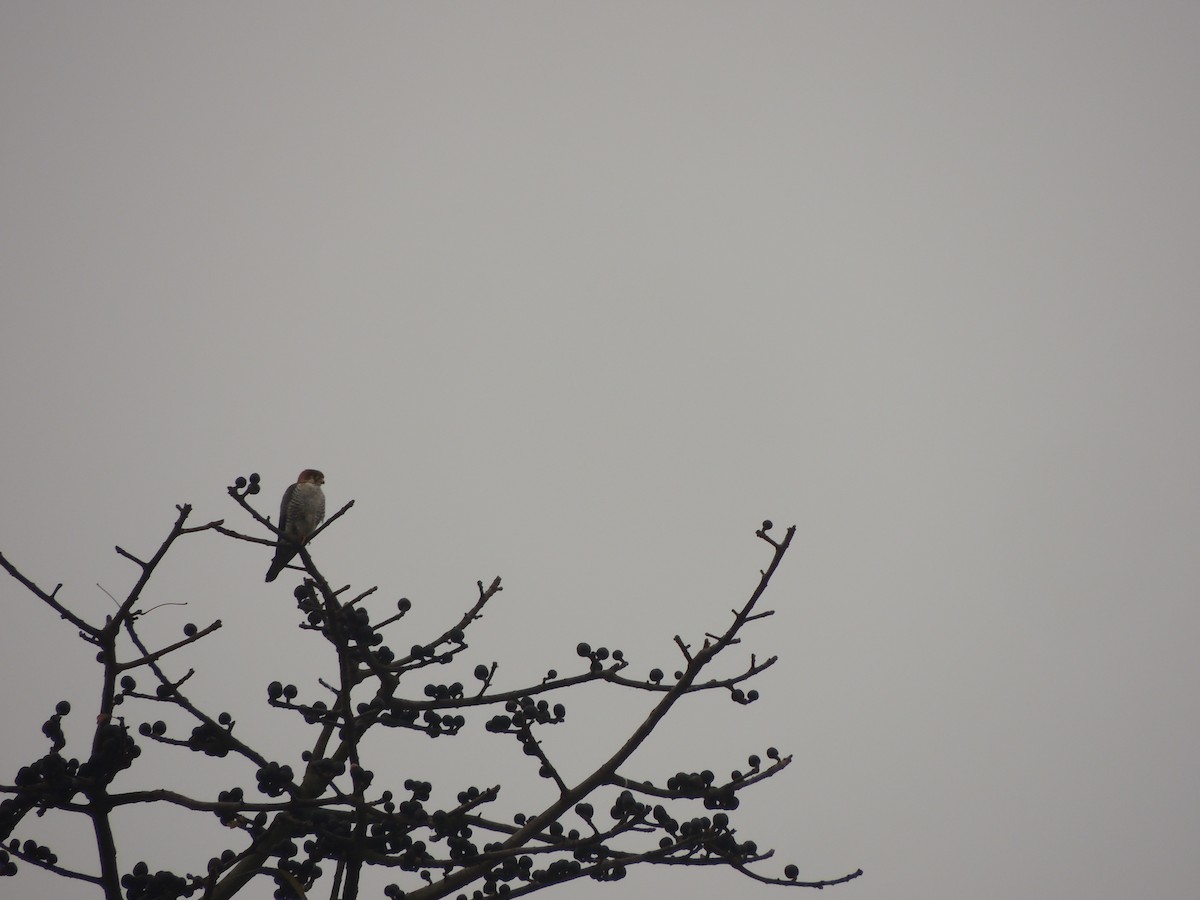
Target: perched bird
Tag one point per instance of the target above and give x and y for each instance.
(300, 512)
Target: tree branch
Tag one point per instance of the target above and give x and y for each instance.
(49, 599)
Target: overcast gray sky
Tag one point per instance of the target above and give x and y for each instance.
(578, 295)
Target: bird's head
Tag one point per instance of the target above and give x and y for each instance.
(311, 476)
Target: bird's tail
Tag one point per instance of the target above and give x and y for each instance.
(284, 554)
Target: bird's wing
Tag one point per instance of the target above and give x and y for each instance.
(283, 507)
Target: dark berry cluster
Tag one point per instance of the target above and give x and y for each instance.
(142, 884)
(113, 750)
(32, 851)
(523, 712)
(207, 738)
(51, 778)
(247, 486)
(274, 779)
(402, 714)
(52, 727)
(599, 656)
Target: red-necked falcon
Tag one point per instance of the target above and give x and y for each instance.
(300, 512)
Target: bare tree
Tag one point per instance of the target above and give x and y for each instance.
(328, 820)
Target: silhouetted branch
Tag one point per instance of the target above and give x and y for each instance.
(49, 599)
(332, 815)
(159, 654)
(42, 862)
